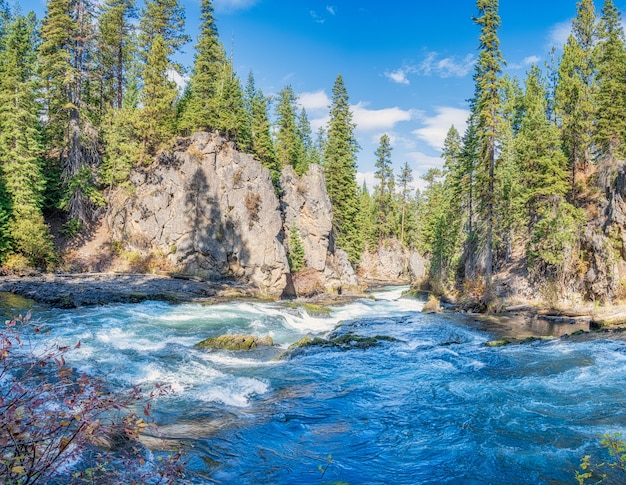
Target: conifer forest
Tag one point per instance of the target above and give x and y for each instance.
(533, 185)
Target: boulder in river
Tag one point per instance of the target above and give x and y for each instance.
(236, 342)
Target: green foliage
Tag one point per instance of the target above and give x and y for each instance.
(340, 168)
(120, 135)
(405, 178)
(290, 149)
(21, 161)
(384, 195)
(576, 88)
(116, 46)
(158, 96)
(611, 471)
(555, 235)
(201, 111)
(610, 125)
(261, 142)
(487, 107)
(295, 251)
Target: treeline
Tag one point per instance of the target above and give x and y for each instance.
(530, 172)
(88, 93)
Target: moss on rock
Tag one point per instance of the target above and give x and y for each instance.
(236, 342)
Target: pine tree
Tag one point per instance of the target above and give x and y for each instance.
(488, 107)
(116, 46)
(610, 125)
(309, 154)
(158, 97)
(66, 69)
(575, 91)
(289, 148)
(295, 250)
(20, 145)
(261, 143)
(540, 158)
(340, 169)
(161, 34)
(231, 116)
(201, 112)
(385, 190)
(508, 173)
(405, 179)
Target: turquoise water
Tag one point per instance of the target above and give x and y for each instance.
(433, 406)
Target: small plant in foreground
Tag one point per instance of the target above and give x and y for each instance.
(611, 471)
(60, 426)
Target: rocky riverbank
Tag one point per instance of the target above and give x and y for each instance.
(83, 289)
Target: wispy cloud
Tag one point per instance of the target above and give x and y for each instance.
(378, 119)
(233, 5)
(558, 34)
(435, 128)
(446, 67)
(400, 75)
(320, 18)
(314, 100)
(527, 61)
(316, 17)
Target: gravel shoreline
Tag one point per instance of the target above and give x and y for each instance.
(85, 289)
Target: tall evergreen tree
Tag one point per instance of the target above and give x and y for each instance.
(508, 174)
(20, 144)
(610, 125)
(405, 179)
(340, 168)
(231, 118)
(115, 49)
(261, 143)
(201, 112)
(488, 108)
(289, 147)
(66, 68)
(575, 90)
(161, 34)
(305, 133)
(385, 190)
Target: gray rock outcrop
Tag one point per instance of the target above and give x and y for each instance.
(392, 262)
(210, 210)
(306, 205)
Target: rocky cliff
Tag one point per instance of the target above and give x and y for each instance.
(210, 210)
(213, 212)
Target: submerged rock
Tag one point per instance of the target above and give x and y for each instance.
(236, 342)
(345, 341)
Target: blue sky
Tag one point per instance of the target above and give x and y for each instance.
(407, 64)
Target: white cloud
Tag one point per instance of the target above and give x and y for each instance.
(331, 9)
(436, 127)
(527, 61)
(378, 119)
(559, 33)
(399, 75)
(447, 67)
(233, 5)
(316, 17)
(314, 100)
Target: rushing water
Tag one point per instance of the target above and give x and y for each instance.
(434, 406)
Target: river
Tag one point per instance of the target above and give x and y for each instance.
(431, 404)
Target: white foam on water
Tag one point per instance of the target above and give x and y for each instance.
(231, 360)
(233, 391)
